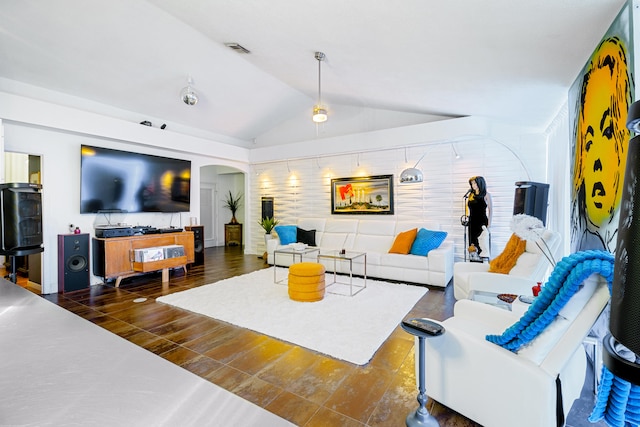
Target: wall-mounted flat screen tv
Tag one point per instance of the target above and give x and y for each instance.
(114, 181)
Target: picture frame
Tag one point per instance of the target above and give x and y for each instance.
(367, 195)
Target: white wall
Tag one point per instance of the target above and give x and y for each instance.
(301, 186)
(56, 133)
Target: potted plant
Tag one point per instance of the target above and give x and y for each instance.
(268, 223)
(233, 203)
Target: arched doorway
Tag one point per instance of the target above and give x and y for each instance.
(215, 182)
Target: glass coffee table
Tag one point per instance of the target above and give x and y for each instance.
(519, 304)
(296, 256)
(345, 256)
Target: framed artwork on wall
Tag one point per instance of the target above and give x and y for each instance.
(598, 103)
(362, 195)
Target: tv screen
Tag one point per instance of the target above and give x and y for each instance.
(120, 181)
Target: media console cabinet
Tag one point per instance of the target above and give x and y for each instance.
(113, 258)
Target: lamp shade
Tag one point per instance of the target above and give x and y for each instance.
(319, 114)
(410, 176)
(188, 96)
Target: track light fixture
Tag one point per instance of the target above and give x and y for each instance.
(455, 152)
(188, 95)
(319, 110)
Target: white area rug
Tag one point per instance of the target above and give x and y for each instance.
(347, 328)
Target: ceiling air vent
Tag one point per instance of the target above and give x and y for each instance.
(237, 47)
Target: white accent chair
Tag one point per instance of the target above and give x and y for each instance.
(499, 388)
(530, 268)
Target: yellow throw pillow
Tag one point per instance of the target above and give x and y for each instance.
(403, 242)
(504, 262)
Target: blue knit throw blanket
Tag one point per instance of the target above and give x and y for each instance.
(618, 401)
(564, 282)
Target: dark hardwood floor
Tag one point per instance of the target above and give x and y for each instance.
(305, 387)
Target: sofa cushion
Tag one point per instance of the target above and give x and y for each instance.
(311, 224)
(402, 243)
(378, 228)
(341, 226)
(526, 264)
(405, 261)
(336, 241)
(306, 236)
(504, 262)
(427, 240)
(369, 243)
(287, 233)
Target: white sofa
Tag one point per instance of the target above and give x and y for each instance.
(375, 237)
(530, 268)
(496, 387)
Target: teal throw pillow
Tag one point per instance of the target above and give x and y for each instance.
(287, 234)
(426, 240)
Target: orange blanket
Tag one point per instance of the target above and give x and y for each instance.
(504, 262)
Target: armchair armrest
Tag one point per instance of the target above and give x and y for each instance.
(441, 259)
(273, 244)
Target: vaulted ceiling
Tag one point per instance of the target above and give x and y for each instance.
(388, 63)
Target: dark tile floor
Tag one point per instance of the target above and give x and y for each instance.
(305, 387)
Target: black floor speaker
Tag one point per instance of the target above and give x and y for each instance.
(20, 216)
(73, 262)
(624, 322)
(198, 243)
(531, 198)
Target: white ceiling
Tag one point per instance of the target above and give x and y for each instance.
(389, 63)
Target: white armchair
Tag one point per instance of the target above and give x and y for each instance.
(529, 269)
(499, 388)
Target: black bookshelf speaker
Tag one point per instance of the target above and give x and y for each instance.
(624, 321)
(20, 216)
(198, 243)
(73, 262)
(531, 198)
(267, 207)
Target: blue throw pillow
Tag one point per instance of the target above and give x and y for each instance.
(427, 240)
(287, 234)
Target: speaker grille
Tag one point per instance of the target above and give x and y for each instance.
(198, 243)
(73, 262)
(77, 263)
(625, 291)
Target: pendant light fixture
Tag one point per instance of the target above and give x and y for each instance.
(319, 110)
(188, 95)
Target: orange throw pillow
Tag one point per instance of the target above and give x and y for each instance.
(403, 242)
(504, 262)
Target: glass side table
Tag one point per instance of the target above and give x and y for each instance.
(296, 256)
(345, 256)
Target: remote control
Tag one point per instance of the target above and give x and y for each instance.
(425, 326)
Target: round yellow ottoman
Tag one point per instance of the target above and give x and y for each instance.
(306, 282)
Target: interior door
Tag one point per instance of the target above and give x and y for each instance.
(207, 208)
